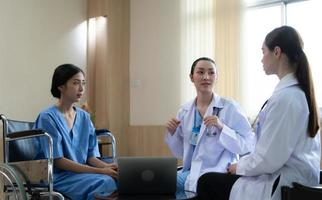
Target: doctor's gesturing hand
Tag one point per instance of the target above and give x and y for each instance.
(172, 125)
(213, 121)
(198, 137)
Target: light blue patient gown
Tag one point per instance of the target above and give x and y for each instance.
(77, 144)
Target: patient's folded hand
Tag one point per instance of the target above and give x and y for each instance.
(109, 171)
(111, 165)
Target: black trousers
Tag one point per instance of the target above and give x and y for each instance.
(215, 186)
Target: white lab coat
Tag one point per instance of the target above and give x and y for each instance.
(284, 148)
(212, 153)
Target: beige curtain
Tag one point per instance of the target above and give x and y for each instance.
(97, 61)
(227, 46)
(108, 63)
(108, 69)
(97, 71)
(197, 39)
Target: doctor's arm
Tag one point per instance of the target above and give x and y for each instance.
(236, 134)
(172, 125)
(285, 121)
(175, 142)
(174, 135)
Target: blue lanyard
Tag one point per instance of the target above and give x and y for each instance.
(196, 125)
(196, 129)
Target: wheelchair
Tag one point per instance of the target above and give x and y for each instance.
(22, 176)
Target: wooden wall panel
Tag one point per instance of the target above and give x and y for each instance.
(146, 141)
(149, 141)
(112, 90)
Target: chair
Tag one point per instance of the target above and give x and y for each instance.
(300, 192)
(106, 138)
(21, 148)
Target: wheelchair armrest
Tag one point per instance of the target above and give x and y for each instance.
(101, 131)
(26, 133)
(107, 133)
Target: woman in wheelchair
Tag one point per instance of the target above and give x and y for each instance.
(78, 173)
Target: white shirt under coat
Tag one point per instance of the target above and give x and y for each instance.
(214, 151)
(283, 149)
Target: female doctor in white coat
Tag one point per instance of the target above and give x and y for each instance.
(288, 144)
(209, 132)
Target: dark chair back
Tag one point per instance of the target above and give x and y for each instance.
(19, 150)
(22, 143)
(300, 192)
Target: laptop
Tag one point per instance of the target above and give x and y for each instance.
(147, 175)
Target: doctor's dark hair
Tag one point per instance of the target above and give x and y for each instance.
(291, 44)
(61, 75)
(196, 62)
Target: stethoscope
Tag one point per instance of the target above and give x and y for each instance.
(215, 112)
(257, 116)
(196, 129)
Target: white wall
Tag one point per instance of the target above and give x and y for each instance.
(154, 61)
(35, 37)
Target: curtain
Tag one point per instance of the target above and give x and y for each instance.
(227, 46)
(212, 28)
(108, 68)
(216, 36)
(97, 72)
(197, 39)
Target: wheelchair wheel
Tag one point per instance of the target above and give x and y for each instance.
(11, 183)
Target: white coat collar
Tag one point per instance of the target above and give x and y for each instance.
(287, 81)
(216, 102)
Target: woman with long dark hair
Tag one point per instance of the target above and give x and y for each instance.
(288, 142)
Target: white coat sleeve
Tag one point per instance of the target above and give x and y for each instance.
(236, 135)
(175, 141)
(286, 118)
